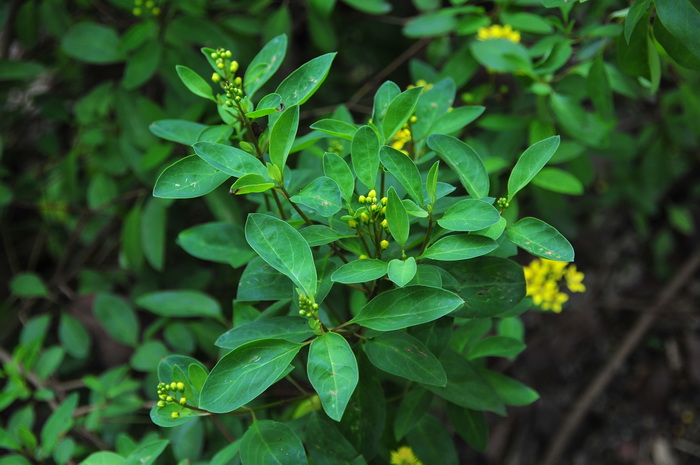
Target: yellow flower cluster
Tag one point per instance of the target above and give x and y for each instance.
(421, 82)
(372, 215)
(401, 138)
(543, 279)
(404, 456)
(498, 32)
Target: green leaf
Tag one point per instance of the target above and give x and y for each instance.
(27, 285)
(466, 387)
(530, 163)
(142, 65)
(147, 356)
(399, 110)
(176, 130)
(496, 346)
(464, 161)
(540, 239)
(397, 218)
(73, 336)
(495, 231)
(321, 195)
(338, 170)
(103, 458)
(269, 442)
(269, 104)
(229, 160)
(153, 223)
(556, 180)
(281, 246)
(599, 89)
(335, 128)
(299, 86)
(11, 70)
(471, 425)
(332, 370)
(431, 24)
(373, 7)
(218, 242)
(469, 215)
(364, 153)
(195, 83)
(92, 43)
(460, 247)
(432, 443)
(319, 234)
(282, 136)
(431, 182)
(527, 22)
(682, 20)
(501, 55)
(251, 184)
(402, 272)
(413, 209)
(163, 417)
(264, 65)
(58, 423)
(326, 444)
(262, 282)
(360, 271)
(117, 318)
(490, 285)
(147, 454)
(382, 98)
(245, 373)
(456, 119)
(675, 48)
(180, 304)
(289, 328)
(188, 178)
(412, 408)
(401, 354)
(132, 249)
(510, 391)
(407, 306)
(404, 170)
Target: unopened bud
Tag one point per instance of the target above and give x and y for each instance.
(384, 244)
(175, 415)
(215, 77)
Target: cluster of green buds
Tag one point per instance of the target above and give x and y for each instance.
(149, 5)
(373, 214)
(334, 146)
(502, 203)
(232, 85)
(171, 393)
(307, 307)
(234, 91)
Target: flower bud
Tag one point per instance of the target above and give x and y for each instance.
(214, 55)
(183, 401)
(155, 11)
(384, 223)
(374, 207)
(315, 306)
(384, 200)
(150, 4)
(173, 386)
(362, 257)
(384, 244)
(364, 217)
(362, 199)
(215, 77)
(161, 404)
(372, 193)
(168, 398)
(181, 386)
(234, 65)
(352, 223)
(238, 81)
(383, 211)
(175, 415)
(413, 119)
(228, 54)
(136, 11)
(220, 65)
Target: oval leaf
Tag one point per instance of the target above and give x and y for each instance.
(364, 153)
(540, 239)
(403, 355)
(289, 328)
(360, 271)
(469, 215)
(460, 247)
(282, 136)
(269, 442)
(397, 218)
(180, 304)
(464, 161)
(188, 178)
(264, 65)
(299, 86)
(229, 160)
(195, 83)
(530, 163)
(404, 170)
(321, 195)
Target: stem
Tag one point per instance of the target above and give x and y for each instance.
(427, 234)
(283, 215)
(295, 206)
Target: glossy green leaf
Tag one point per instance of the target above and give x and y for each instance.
(556, 180)
(163, 417)
(117, 318)
(251, 184)
(501, 55)
(260, 281)
(397, 218)
(269, 104)
(321, 195)
(431, 183)
(496, 346)
(432, 443)
(268, 442)
(218, 242)
(510, 391)
(148, 453)
(675, 48)
(283, 248)
(177, 130)
(404, 170)
(413, 209)
(456, 119)
(382, 98)
(399, 110)
(92, 43)
(282, 135)
(682, 20)
(333, 372)
(495, 231)
(463, 160)
(412, 408)
(188, 178)
(401, 272)
(530, 163)
(289, 328)
(360, 271)
(471, 425)
(195, 83)
(540, 239)
(245, 373)
(466, 387)
(489, 286)
(299, 86)
(335, 128)
(460, 247)
(103, 458)
(319, 234)
(407, 306)
(180, 304)
(401, 354)
(229, 160)
(338, 170)
(469, 215)
(364, 153)
(264, 65)
(58, 423)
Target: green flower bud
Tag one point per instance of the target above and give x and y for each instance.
(161, 404)
(168, 398)
(173, 386)
(155, 11)
(175, 415)
(181, 386)
(183, 401)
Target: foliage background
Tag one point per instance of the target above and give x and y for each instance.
(83, 239)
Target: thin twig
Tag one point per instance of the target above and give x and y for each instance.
(605, 375)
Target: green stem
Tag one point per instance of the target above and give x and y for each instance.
(427, 234)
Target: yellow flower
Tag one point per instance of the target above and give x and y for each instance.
(404, 456)
(401, 138)
(543, 279)
(498, 32)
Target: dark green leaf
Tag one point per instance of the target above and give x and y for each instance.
(218, 242)
(92, 43)
(399, 110)
(432, 443)
(335, 128)
(412, 408)
(58, 423)
(188, 178)
(229, 160)
(403, 355)
(251, 184)
(321, 195)
(264, 65)
(469, 215)
(338, 170)
(510, 391)
(282, 136)
(268, 105)
(556, 180)
(404, 170)
(117, 318)
(262, 282)
(501, 55)
(463, 160)
(289, 328)
(431, 182)
(635, 13)
(397, 218)
(681, 18)
(496, 346)
(299, 86)
(148, 453)
(195, 83)
(364, 154)
(360, 271)
(26, 285)
(530, 163)
(460, 247)
(176, 130)
(180, 304)
(319, 234)
(540, 239)
(456, 119)
(74, 337)
(382, 98)
(471, 425)
(333, 372)
(402, 271)
(153, 223)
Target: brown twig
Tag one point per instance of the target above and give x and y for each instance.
(605, 375)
